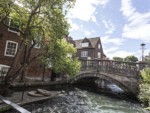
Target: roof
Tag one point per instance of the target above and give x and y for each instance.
(93, 42)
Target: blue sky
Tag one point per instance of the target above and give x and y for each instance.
(122, 24)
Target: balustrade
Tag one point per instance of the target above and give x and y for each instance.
(113, 67)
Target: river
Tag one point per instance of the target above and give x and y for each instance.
(83, 101)
(77, 100)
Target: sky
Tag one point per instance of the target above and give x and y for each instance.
(122, 25)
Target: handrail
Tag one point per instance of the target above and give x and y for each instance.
(15, 106)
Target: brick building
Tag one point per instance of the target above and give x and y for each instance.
(9, 43)
(90, 48)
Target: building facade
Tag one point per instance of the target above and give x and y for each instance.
(9, 44)
(89, 48)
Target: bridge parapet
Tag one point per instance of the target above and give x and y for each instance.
(114, 67)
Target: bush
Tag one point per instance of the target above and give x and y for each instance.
(144, 87)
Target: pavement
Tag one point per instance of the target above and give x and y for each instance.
(17, 99)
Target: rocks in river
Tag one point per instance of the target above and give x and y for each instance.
(63, 92)
(81, 103)
(39, 93)
(71, 93)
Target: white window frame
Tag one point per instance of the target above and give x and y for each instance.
(99, 46)
(12, 26)
(3, 66)
(99, 54)
(84, 53)
(37, 45)
(6, 48)
(85, 44)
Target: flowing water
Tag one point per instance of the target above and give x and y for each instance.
(83, 101)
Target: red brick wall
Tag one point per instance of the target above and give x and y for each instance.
(34, 69)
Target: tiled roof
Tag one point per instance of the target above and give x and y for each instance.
(93, 42)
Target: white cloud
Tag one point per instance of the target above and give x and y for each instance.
(119, 53)
(73, 26)
(112, 49)
(112, 40)
(87, 33)
(85, 10)
(126, 8)
(138, 25)
(109, 26)
(116, 51)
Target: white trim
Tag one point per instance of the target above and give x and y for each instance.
(6, 48)
(99, 54)
(12, 26)
(99, 46)
(84, 53)
(85, 44)
(5, 66)
(35, 46)
(1, 65)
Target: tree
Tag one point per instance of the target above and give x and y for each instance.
(147, 58)
(131, 59)
(60, 55)
(117, 58)
(38, 21)
(144, 86)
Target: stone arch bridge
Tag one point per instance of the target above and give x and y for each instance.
(126, 75)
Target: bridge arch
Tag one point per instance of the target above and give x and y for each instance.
(125, 84)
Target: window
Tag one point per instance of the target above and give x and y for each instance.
(37, 45)
(14, 24)
(84, 54)
(99, 46)
(37, 41)
(11, 48)
(85, 44)
(3, 70)
(99, 55)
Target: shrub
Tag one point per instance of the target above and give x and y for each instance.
(144, 87)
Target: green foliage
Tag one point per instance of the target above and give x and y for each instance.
(61, 56)
(117, 58)
(145, 74)
(39, 21)
(131, 59)
(147, 58)
(144, 86)
(44, 18)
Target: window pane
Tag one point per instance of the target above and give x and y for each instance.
(85, 44)
(84, 54)
(11, 48)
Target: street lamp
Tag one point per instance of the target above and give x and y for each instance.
(143, 48)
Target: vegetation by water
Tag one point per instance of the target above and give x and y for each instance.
(144, 94)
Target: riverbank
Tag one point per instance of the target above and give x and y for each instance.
(22, 99)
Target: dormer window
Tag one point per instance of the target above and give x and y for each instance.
(85, 44)
(14, 24)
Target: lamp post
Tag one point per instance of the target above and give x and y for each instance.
(143, 48)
